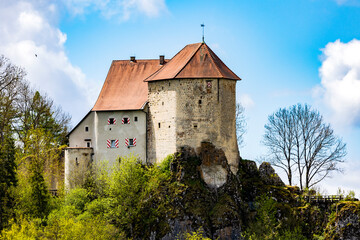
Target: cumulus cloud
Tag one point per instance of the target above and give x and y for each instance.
(340, 81)
(121, 8)
(30, 39)
(246, 101)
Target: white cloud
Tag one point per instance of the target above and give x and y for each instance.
(26, 29)
(246, 101)
(348, 2)
(340, 81)
(121, 8)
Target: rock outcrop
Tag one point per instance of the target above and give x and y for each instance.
(345, 224)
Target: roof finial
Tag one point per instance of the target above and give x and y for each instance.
(203, 27)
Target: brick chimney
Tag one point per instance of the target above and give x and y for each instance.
(162, 59)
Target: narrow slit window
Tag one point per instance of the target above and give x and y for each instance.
(88, 144)
(135, 119)
(86, 129)
(159, 125)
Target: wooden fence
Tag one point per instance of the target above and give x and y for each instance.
(324, 198)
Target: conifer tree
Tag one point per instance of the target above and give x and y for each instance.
(7, 179)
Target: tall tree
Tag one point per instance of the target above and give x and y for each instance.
(279, 138)
(11, 77)
(40, 152)
(39, 111)
(240, 124)
(298, 139)
(8, 180)
(11, 80)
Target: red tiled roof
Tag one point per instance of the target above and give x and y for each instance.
(194, 61)
(124, 87)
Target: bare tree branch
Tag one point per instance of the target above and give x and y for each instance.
(298, 138)
(240, 124)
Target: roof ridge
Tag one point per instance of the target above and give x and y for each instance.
(217, 67)
(160, 69)
(193, 54)
(213, 62)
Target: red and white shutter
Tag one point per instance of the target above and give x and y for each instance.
(123, 120)
(134, 141)
(114, 121)
(117, 143)
(108, 143)
(126, 142)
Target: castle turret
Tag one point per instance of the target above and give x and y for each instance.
(192, 100)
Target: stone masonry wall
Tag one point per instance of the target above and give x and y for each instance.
(77, 162)
(161, 120)
(194, 111)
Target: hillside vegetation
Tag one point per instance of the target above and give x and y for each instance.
(171, 201)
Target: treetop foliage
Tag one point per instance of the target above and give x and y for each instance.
(32, 133)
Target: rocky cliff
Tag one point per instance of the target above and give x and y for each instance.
(235, 206)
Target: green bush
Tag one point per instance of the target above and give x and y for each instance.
(78, 198)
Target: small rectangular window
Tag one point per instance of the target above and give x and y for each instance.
(130, 142)
(159, 125)
(111, 121)
(135, 119)
(86, 129)
(112, 143)
(88, 144)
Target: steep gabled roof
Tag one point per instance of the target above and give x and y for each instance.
(124, 87)
(194, 61)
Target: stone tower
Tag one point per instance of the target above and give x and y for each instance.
(192, 100)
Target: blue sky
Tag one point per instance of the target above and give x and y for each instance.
(285, 51)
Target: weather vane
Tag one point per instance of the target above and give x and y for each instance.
(203, 27)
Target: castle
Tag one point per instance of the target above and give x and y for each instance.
(151, 108)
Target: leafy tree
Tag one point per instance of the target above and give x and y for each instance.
(39, 111)
(299, 139)
(11, 80)
(40, 152)
(127, 184)
(269, 225)
(8, 180)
